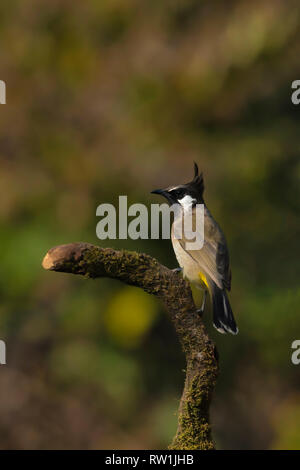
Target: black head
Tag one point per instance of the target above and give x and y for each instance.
(194, 189)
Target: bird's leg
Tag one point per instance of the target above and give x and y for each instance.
(177, 270)
(201, 309)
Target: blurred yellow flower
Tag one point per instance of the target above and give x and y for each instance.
(129, 316)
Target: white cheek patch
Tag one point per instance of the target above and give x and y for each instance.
(187, 202)
(192, 222)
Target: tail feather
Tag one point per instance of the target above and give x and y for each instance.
(223, 318)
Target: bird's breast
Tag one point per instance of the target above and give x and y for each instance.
(189, 266)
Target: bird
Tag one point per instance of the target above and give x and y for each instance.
(207, 268)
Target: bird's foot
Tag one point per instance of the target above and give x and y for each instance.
(177, 270)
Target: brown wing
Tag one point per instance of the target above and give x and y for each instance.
(213, 258)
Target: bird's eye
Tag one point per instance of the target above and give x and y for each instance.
(177, 193)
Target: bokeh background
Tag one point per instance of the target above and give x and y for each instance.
(119, 97)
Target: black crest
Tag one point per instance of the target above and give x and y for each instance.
(198, 182)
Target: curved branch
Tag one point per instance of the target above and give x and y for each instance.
(141, 270)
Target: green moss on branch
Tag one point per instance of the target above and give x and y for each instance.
(141, 270)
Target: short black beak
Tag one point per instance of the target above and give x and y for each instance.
(163, 192)
(158, 191)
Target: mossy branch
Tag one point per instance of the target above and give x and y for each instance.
(141, 270)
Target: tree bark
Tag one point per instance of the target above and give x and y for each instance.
(141, 270)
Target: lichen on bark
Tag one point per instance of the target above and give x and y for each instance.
(141, 270)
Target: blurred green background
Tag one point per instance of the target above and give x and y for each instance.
(119, 97)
